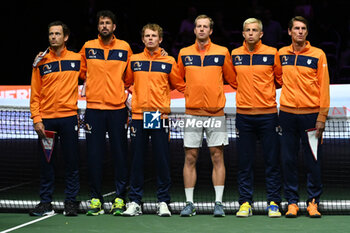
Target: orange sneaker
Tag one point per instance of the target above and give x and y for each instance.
(292, 211)
(312, 209)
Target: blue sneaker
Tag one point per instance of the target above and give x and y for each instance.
(189, 210)
(219, 209)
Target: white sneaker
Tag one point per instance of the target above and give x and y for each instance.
(163, 210)
(133, 209)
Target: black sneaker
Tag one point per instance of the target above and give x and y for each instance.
(70, 208)
(42, 209)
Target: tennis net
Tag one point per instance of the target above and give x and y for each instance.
(19, 169)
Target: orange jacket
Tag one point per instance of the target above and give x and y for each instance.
(105, 67)
(257, 73)
(153, 77)
(305, 81)
(204, 94)
(54, 87)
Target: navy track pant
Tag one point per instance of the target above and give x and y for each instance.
(160, 148)
(67, 130)
(293, 130)
(250, 129)
(98, 122)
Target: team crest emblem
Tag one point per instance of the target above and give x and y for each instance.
(216, 59)
(309, 61)
(163, 66)
(264, 59)
(72, 64)
(120, 54)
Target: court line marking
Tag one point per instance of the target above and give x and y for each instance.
(27, 223)
(15, 186)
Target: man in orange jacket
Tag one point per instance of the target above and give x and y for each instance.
(106, 60)
(304, 105)
(153, 77)
(258, 69)
(53, 106)
(205, 66)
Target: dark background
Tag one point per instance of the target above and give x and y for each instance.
(24, 27)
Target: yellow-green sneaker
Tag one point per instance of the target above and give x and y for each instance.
(95, 208)
(273, 210)
(118, 207)
(245, 210)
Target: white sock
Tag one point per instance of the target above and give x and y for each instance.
(219, 191)
(189, 194)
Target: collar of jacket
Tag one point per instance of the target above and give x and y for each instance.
(207, 46)
(156, 53)
(63, 52)
(306, 48)
(110, 44)
(256, 48)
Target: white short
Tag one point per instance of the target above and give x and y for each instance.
(213, 126)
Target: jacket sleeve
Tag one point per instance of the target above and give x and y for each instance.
(83, 66)
(35, 96)
(176, 80)
(129, 75)
(229, 71)
(323, 80)
(277, 69)
(181, 66)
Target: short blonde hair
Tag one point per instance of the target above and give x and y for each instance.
(211, 22)
(253, 20)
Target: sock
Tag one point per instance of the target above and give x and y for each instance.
(219, 191)
(189, 194)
